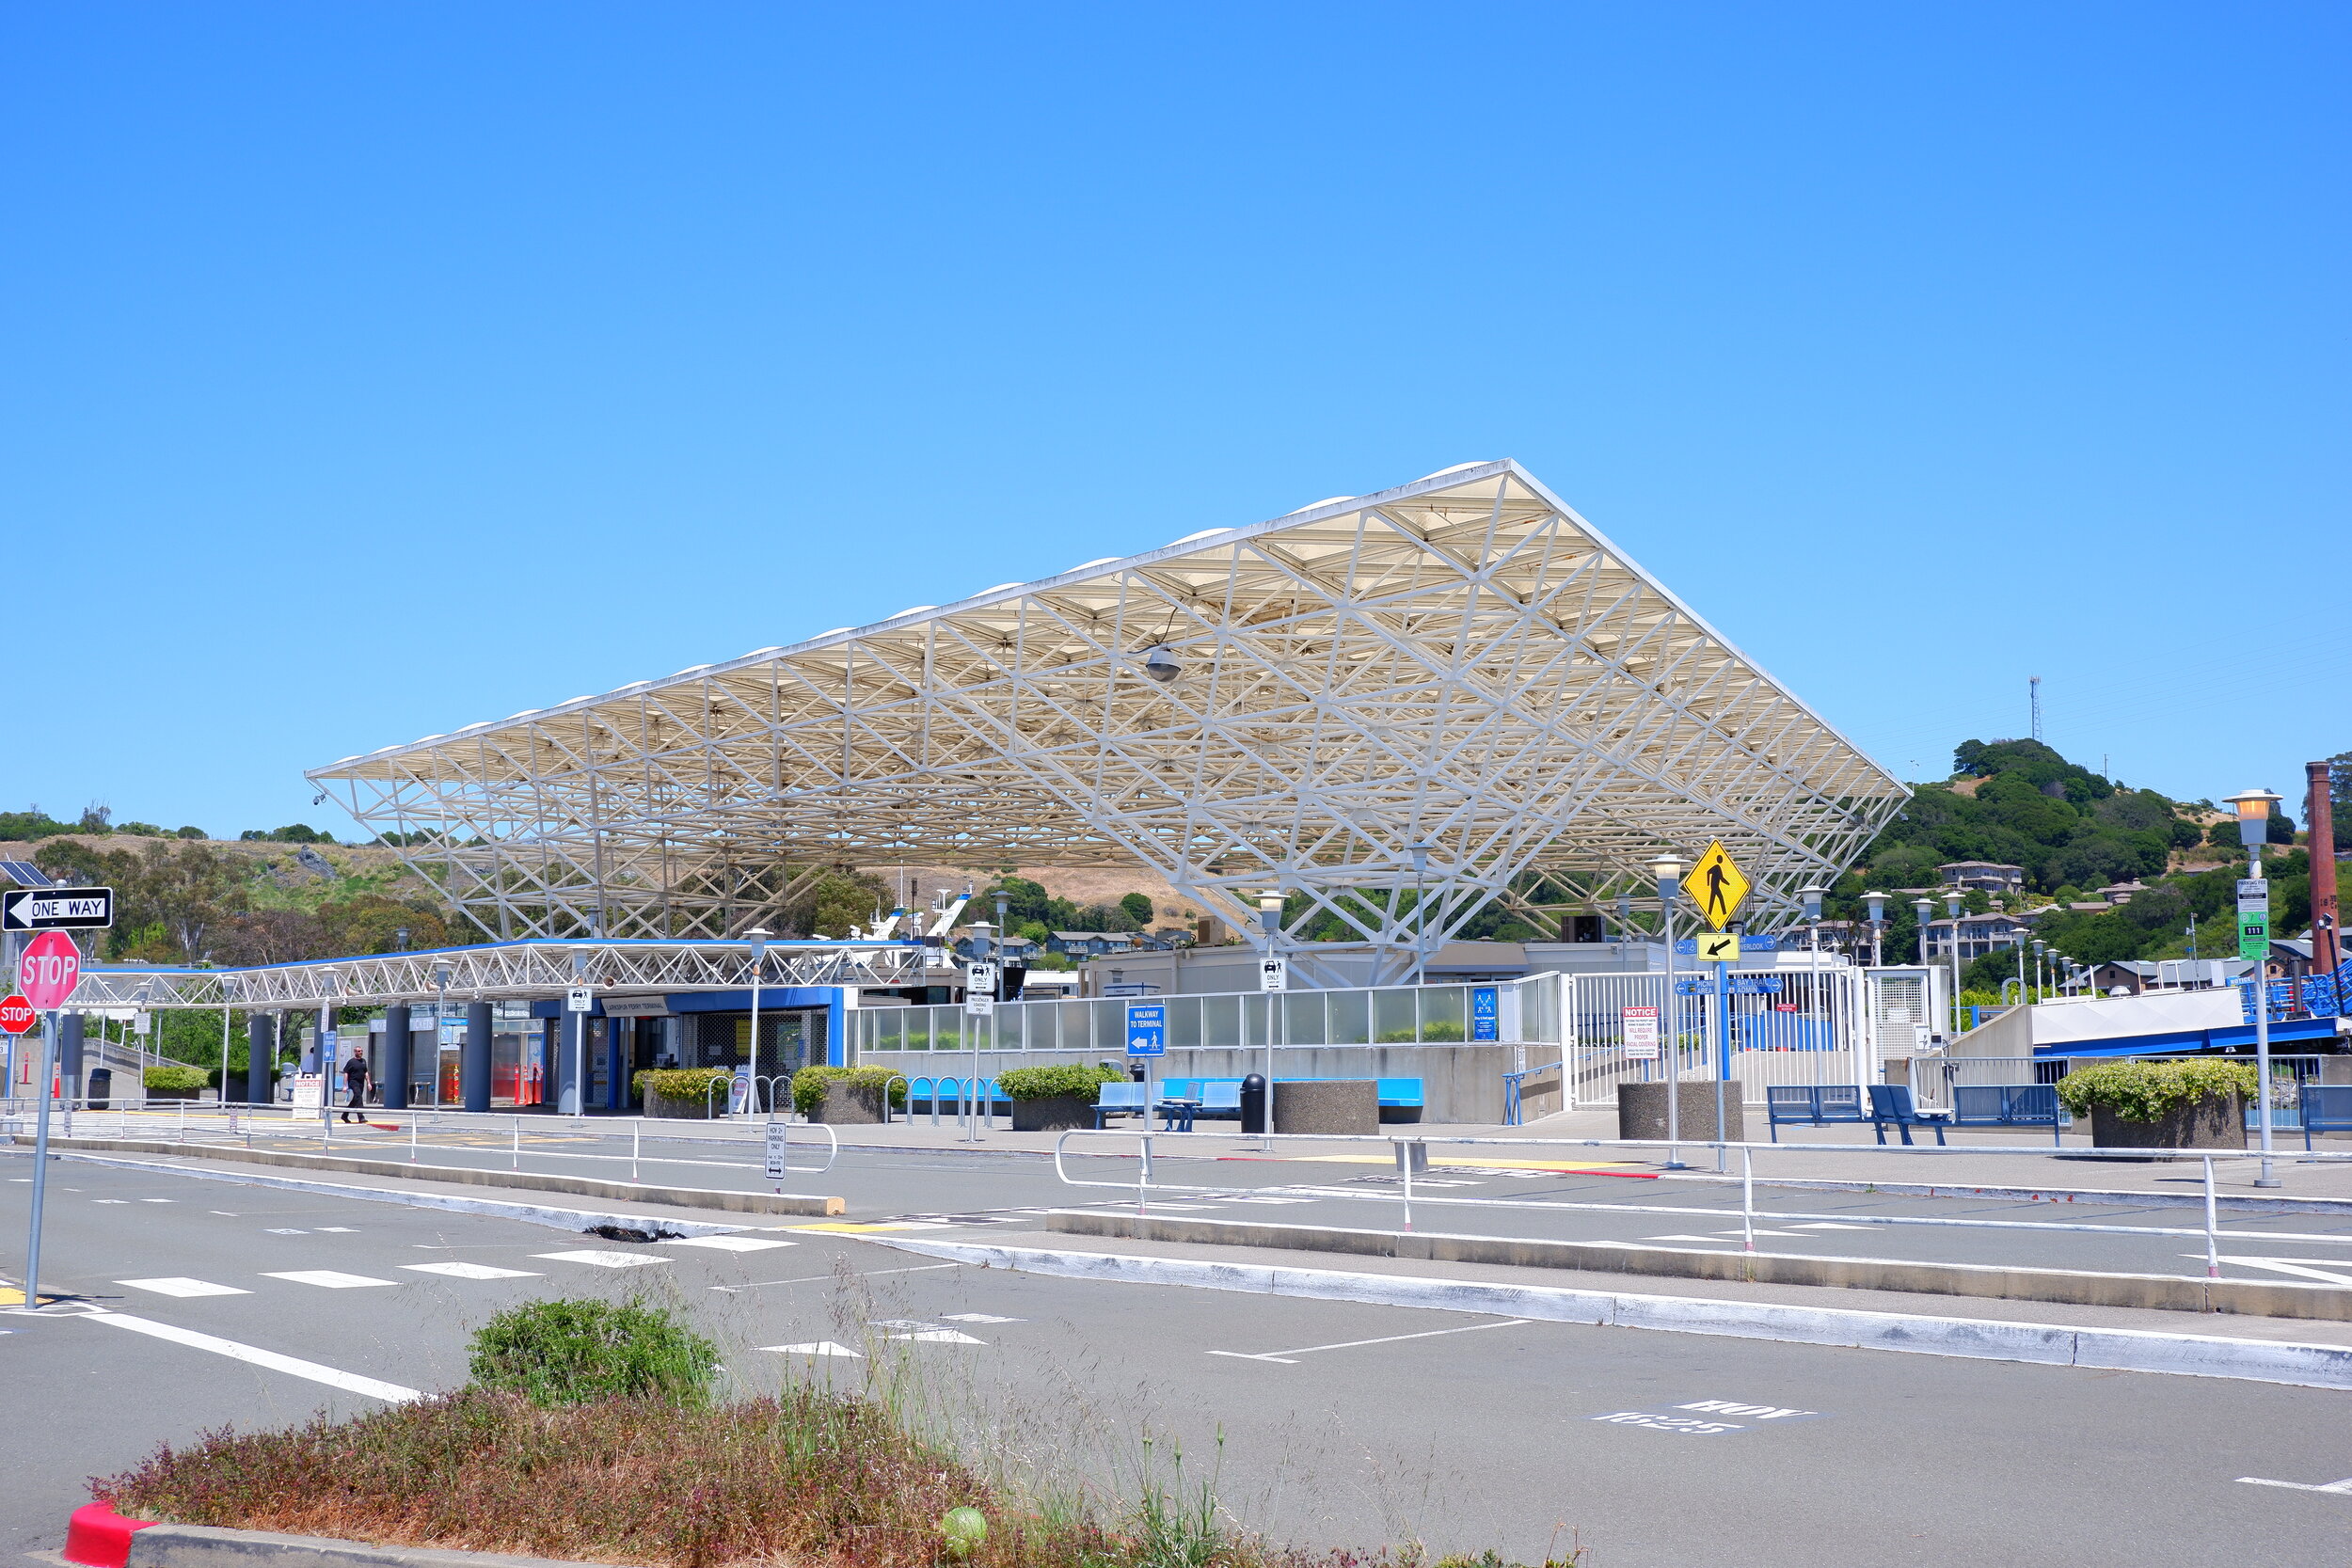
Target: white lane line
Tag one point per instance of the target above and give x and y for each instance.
(937, 1336)
(1710, 1240)
(334, 1377)
(339, 1230)
(469, 1271)
(1760, 1231)
(727, 1244)
(2335, 1276)
(110, 1200)
(1285, 1357)
(818, 1347)
(603, 1259)
(181, 1286)
(328, 1279)
(979, 1318)
(821, 1278)
(1833, 1225)
(2337, 1486)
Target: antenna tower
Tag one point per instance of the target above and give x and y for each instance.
(2033, 691)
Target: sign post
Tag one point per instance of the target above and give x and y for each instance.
(578, 1002)
(49, 969)
(777, 1132)
(1719, 887)
(980, 1002)
(16, 1016)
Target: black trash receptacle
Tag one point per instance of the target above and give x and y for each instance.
(1253, 1103)
(102, 1087)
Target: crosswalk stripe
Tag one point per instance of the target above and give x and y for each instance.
(603, 1259)
(328, 1279)
(469, 1270)
(179, 1286)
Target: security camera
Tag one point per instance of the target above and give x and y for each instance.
(1161, 666)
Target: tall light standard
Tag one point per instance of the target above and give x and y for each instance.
(1669, 873)
(1813, 893)
(1878, 927)
(757, 935)
(1924, 907)
(1421, 921)
(1270, 921)
(2253, 942)
(1954, 906)
(443, 969)
(2040, 950)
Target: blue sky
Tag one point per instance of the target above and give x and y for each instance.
(374, 369)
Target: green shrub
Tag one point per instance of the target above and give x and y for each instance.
(1053, 1082)
(558, 1353)
(809, 1085)
(2148, 1091)
(1441, 1029)
(695, 1085)
(176, 1078)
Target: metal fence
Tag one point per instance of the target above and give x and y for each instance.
(1810, 1026)
(1933, 1078)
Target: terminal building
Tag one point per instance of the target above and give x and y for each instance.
(1385, 711)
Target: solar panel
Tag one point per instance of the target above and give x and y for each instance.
(24, 874)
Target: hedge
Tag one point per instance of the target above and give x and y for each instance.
(173, 1078)
(1053, 1083)
(809, 1085)
(691, 1084)
(2148, 1091)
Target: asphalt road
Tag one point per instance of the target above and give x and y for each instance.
(1488, 1195)
(1341, 1423)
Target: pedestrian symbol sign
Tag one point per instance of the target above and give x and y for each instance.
(1722, 949)
(1147, 1029)
(1716, 886)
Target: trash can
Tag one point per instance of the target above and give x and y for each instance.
(102, 1087)
(1253, 1103)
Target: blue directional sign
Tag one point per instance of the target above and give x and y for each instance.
(1755, 985)
(1485, 1013)
(1750, 942)
(1147, 1029)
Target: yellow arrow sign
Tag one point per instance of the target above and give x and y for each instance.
(1720, 948)
(1716, 886)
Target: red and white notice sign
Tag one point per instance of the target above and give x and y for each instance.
(1641, 1033)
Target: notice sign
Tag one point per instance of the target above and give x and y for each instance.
(775, 1150)
(1641, 1033)
(1485, 1013)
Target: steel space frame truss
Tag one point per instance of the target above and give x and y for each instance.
(505, 970)
(1461, 666)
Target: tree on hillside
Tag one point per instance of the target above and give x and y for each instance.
(183, 888)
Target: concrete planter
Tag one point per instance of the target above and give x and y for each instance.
(847, 1105)
(1056, 1113)
(1642, 1111)
(687, 1110)
(1338, 1105)
(2218, 1123)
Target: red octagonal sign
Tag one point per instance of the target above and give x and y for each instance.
(18, 1015)
(50, 969)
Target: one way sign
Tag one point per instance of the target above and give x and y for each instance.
(57, 909)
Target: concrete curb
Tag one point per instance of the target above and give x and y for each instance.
(582, 1220)
(471, 1176)
(2167, 1292)
(200, 1546)
(2045, 1344)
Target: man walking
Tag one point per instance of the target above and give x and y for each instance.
(356, 1084)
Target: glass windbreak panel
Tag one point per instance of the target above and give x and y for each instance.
(1220, 1021)
(1110, 1025)
(1394, 1018)
(1073, 1026)
(1184, 1022)
(889, 1027)
(1351, 1016)
(1302, 1016)
(1445, 1013)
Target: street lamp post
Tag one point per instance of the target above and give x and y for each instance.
(2253, 942)
(1813, 893)
(441, 971)
(1878, 927)
(1924, 908)
(1270, 920)
(757, 935)
(1421, 921)
(1954, 906)
(1669, 873)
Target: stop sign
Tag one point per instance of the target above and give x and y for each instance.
(50, 969)
(18, 1015)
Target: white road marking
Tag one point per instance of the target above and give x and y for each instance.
(159, 1200)
(980, 1318)
(110, 1200)
(1760, 1231)
(339, 1230)
(818, 1347)
(727, 1244)
(1285, 1356)
(820, 1279)
(1833, 1225)
(328, 1279)
(179, 1286)
(276, 1231)
(1710, 1240)
(2335, 1276)
(223, 1214)
(469, 1271)
(603, 1259)
(939, 1336)
(2337, 1486)
(334, 1377)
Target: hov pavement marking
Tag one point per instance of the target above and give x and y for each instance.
(334, 1377)
(1288, 1357)
(2342, 1487)
(179, 1286)
(1708, 1422)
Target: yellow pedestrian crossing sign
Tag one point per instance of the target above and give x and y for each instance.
(1720, 948)
(1716, 886)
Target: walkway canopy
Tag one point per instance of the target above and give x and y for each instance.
(1457, 685)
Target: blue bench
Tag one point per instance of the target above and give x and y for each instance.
(2326, 1108)
(2006, 1105)
(1891, 1102)
(1120, 1100)
(1797, 1104)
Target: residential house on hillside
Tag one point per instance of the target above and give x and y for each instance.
(1093, 944)
(1983, 876)
(1978, 934)
(2120, 893)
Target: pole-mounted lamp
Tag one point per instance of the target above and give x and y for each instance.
(1668, 869)
(1878, 926)
(2253, 828)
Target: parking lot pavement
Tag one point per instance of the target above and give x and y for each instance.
(1340, 1422)
(1480, 1193)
